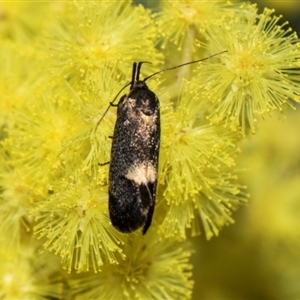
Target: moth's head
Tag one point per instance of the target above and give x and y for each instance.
(139, 84)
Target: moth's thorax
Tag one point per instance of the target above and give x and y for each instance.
(141, 100)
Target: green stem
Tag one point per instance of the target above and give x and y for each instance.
(187, 54)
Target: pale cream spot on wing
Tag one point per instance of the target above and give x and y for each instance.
(142, 173)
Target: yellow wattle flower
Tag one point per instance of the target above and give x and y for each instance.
(260, 72)
(154, 268)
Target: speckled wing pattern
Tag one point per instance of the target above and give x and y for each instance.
(134, 160)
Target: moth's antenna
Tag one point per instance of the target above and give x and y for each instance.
(188, 63)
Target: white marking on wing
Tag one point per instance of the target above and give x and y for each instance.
(142, 173)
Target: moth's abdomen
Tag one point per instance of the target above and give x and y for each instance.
(131, 209)
(124, 208)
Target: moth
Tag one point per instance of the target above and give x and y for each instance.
(134, 157)
(135, 154)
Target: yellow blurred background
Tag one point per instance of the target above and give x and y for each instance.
(258, 257)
